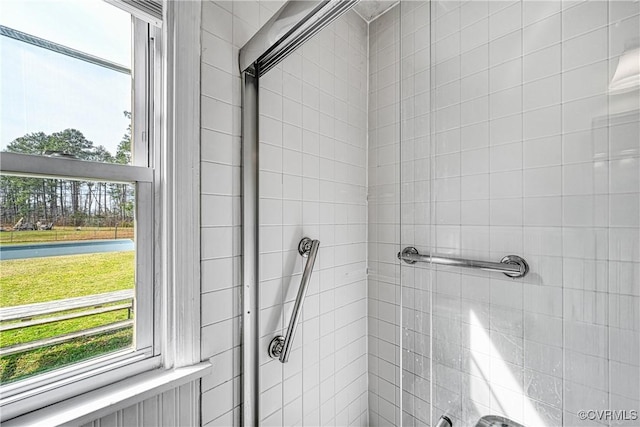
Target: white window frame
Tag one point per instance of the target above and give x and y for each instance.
(166, 109)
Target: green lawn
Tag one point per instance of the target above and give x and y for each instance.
(37, 332)
(33, 280)
(18, 366)
(27, 281)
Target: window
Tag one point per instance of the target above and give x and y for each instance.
(78, 207)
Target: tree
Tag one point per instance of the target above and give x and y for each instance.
(26, 197)
(52, 200)
(37, 199)
(71, 142)
(31, 143)
(123, 152)
(45, 193)
(122, 193)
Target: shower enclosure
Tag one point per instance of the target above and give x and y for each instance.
(494, 146)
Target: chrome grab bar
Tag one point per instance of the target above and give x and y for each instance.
(511, 265)
(280, 347)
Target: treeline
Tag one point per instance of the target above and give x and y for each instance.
(62, 201)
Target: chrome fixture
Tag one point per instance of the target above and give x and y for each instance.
(511, 265)
(444, 421)
(280, 347)
(289, 28)
(496, 421)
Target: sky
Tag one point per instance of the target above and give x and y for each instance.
(44, 91)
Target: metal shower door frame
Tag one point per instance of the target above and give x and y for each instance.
(250, 250)
(291, 26)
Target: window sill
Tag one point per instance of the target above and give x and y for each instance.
(106, 400)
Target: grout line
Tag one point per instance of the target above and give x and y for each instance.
(562, 169)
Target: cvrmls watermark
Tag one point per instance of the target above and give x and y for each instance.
(608, 415)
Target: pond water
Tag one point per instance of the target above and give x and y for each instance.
(8, 252)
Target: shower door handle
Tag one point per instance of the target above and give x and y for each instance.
(280, 347)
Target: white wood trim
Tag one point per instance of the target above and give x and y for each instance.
(138, 12)
(144, 274)
(32, 396)
(177, 192)
(141, 74)
(171, 408)
(33, 165)
(181, 183)
(103, 401)
(155, 157)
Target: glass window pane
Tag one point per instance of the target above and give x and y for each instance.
(91, 26)
(67, 272)
(55, 103)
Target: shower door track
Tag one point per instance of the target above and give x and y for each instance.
(290, 27)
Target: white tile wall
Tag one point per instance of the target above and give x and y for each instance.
(530, 155)
(417, 172)
(226, 26)
(525, 160)
(384, 220)
(313, 181)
